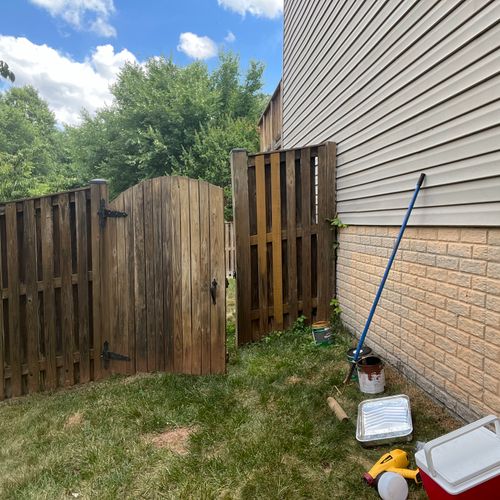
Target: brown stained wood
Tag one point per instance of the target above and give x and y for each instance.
(177, 277)
(331, 209)
(32, 319)
(323, 239)
(291, 209)
(158, 274)
(46, 218)
(185, 289)
(128, 284)
(119, 338)
(14, 311)
(196, 285)
(98, 191)
(150, 278)
(276, 246)
(141, 341)
(67, 319)
(205, 301)
(167, 255)
(305, 162)
(239, 174)
(83, 285)
(217, 272)
(262, 243)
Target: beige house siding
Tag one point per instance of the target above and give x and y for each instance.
(401, 87)
(439, 316)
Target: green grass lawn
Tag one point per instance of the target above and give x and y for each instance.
(262, 431)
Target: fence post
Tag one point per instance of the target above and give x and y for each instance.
(98, 192)
(239, 174)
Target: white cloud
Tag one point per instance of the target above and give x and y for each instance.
(92, 15)
(67, 85)
(230, 37)
(197, 47)
(259, 8)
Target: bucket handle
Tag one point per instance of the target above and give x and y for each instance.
(455, 434)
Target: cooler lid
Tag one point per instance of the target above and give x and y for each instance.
(463, 461)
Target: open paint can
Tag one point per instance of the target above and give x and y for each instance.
(371, 375)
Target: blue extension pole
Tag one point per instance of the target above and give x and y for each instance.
(386, 274)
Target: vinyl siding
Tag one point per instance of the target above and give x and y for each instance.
(402, 87)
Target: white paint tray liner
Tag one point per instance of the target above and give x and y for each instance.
(384, 420)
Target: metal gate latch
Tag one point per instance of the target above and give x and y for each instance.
(104, 212)
(108, 355)
(213, 291)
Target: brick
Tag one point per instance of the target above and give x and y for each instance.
(469, 386)
(427, 233)
(491, 384)
(458, 336)
(445, 371)
(435, 300)
(493, 270)
(448, 317)
(426, 284)
(472, 297)
(418, 246)
(438, 247)
(492, 352)
(460, 250)
(494, 254)
(457, 307)
(470, 357)
(473, 266)
(472, 327)
(456, 391)
(474, 235)
(437, 274)
(492, 401)
(450, 291)
(486, 285)
(460, 279)
(476, 375)
(448, 234)
(435, 326)
(435, 352)
(494, 237)
(445, 344)
(447, 262)
(409, 256)
(493, 303)
(480, 252)
(492, 335)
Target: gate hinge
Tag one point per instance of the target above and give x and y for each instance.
(104, 212)
(108, 355)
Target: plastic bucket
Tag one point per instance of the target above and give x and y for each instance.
(371, 375)
(365, 351)
(322, 333)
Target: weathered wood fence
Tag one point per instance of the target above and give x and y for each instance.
(230, 249)
(72, 279)
(284, 256)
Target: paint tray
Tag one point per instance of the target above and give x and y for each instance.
(384, 420)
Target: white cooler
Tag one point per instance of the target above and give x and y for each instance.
(463, 464)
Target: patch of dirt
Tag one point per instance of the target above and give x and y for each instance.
(175, 440)
(293, 380)
(74, 420)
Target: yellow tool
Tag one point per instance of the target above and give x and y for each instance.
(394, 461)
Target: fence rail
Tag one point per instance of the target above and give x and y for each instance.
(284, 257)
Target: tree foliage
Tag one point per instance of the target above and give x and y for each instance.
(31, 147)
(5, 72)
(164, 119)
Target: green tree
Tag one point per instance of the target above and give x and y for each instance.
(31, 146)
(5, 72)
(169, 119)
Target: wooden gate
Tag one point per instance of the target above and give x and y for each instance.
(163, 275)
(73, 276)
(284, 255)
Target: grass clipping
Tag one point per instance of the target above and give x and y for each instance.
(174, 440)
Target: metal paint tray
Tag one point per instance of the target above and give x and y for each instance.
(384, 420)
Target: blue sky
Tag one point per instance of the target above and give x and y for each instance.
(70, 50)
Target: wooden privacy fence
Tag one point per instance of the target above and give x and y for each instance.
(74, 276)
(284, 257)
(230, 247)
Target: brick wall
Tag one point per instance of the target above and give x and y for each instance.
(438, 320)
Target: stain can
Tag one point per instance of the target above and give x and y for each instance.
(322, 333)
(365, 351)
(371, 375)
